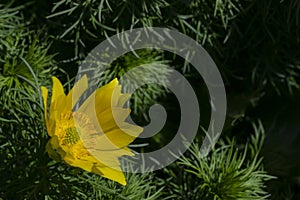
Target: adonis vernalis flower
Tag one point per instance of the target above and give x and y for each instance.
(95, 135)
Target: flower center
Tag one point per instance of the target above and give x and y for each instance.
(72, 136)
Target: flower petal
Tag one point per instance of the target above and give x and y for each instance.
(102, 100)
(58, 95)
(90, 164)
(112, 118)
(78, 89)
(110, 173)
(110, 158)
(86, 163)
(106, 97)
(123, 137)
(45, 97)
(122, 99)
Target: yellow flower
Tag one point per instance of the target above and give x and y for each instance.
(95, 135)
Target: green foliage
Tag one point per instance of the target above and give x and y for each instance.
(92, 21)
(9, 21)
(20, 68)
(254, 43)
(23, 61)
(84, 21)
(22, 156)
(228, 172)
(81, 25)
(283, 189)
(204, 21)
(140, 186)
(262, 51)
(24, 66)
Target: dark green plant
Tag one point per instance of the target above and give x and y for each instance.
(254, 43)
(228, 172)
(140, 186)
(95, 20)
(262, 50)
(10, 21)
(24, 60)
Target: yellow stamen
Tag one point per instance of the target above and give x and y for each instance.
(72, 136)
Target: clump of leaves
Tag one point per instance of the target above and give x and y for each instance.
(10, 21)
(24, 66)
(264, 40)
(201, 19)
(81, 25)
(84, 24)
(23, 60)
(139, 186)
(226, 173)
